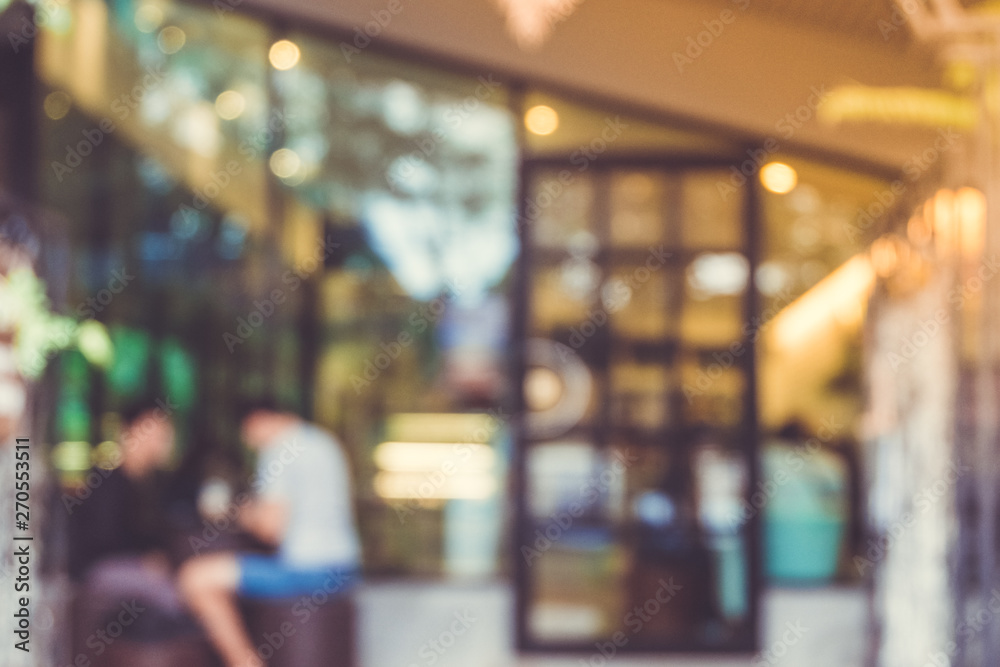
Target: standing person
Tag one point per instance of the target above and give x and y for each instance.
(303, 507)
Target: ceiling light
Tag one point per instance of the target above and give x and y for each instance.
(541, 120)
(778, 177)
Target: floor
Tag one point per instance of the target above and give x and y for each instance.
(419, 624)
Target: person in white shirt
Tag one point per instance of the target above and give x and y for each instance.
(302, 506)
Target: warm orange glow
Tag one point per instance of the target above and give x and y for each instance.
(970, 205)
(541, 120)
(886, 253)
(840, 297)
(943, 212)
(531, 21)
(778, 177)
(918, 231)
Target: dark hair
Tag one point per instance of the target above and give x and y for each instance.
(140, 407)
(794, 430)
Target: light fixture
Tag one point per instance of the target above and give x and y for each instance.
(917, 230)
(428, 456)
(778, 177)
(434, 470)
(886, 254)
(284, 54)
(531, 21)
(542, 388)
(420, 486)
(541, 120)
(474, 427)
(942, 209)
(970, 205)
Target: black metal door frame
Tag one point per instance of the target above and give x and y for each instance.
(749, 427)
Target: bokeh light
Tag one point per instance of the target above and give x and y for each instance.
(230, 104)
(778, 177)
(284, 54)
(148, 17)
(57, 104)
(541, 120)
(285, 163)
(171, 39)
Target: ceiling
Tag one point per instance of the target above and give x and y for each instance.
(765, 63)
(850, 18)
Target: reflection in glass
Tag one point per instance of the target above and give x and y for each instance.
(711, 215)
(637, 217)
(561, 296)
(640, 395)
(712, 322)
(714, 386)
(558, 210)
(640, 301)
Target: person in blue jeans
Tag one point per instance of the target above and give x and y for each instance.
(303, 506)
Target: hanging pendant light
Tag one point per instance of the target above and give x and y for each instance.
(531, 21)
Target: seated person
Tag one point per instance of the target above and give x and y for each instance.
(303, 507)
(119, 534)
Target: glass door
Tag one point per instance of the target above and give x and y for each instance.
(636, 447)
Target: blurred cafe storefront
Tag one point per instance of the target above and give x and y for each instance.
(548, 329)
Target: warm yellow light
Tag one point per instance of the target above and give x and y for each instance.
(400, 485)
(885, 255)
(285, 162)
(284, 54)
(442, 426)
(230, 105)
(71, 456)
(943, 211)
(148, 17)
(899, 105)
(94, 343)
(541, 120)
(449, 457)
(542, 388)
(57, 104)
(970, 205)
(830, 299)
(107, 455)
(171, 39)
(778, 177)
(918, 231)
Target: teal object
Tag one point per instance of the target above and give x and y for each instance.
(733, 583)
(805, 518)
(802, 550)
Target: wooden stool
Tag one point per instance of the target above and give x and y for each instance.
(299, 632)
(189, 651)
